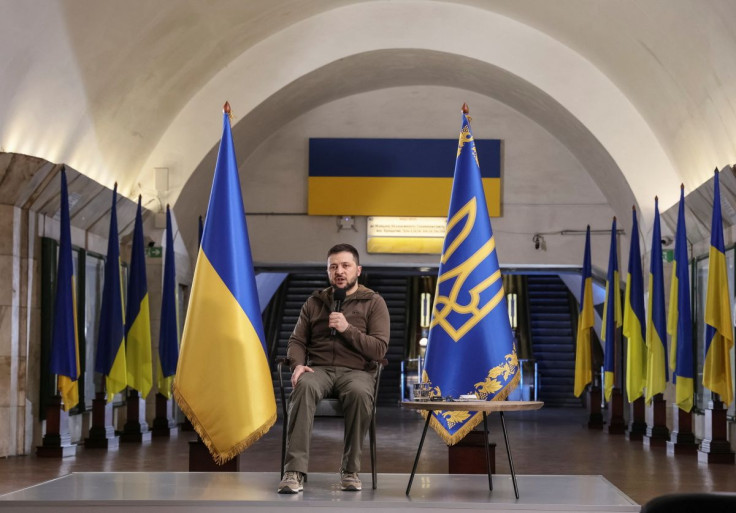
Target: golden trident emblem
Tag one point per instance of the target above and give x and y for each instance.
(445, 305)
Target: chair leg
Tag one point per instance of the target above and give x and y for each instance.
(373, 452)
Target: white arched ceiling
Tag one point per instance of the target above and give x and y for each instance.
(116, 89)
(391, 43)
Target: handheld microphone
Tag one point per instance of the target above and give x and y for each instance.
(339, 296)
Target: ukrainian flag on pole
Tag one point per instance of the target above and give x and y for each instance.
(656, 373)
(611, 317)
(471, 346)
(110, 360)
(65, 340)
(586, 320)
(223, 381)
(634, 319)
(138, 316)
(718, 326)
(679, 321)
(168, 338)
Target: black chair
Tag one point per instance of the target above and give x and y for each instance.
(692, 503)
(330, 407)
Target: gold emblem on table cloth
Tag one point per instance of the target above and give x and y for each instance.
(445, 305)
(491, 384)
(466, 137)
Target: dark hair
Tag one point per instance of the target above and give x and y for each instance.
(339, 248)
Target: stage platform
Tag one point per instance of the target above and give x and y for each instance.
(144, 492)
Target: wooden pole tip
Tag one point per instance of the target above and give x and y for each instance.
(226, 108)
(466, 109)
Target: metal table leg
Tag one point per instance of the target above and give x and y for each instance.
(508, 451)
(419, 451)
(488, 455)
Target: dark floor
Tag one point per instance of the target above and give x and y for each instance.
(548, 441)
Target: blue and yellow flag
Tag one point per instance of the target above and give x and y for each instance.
(168, 339)
(223, 381)
(656, 373)
(110, 360)
(611, 317)
(634, 320)
(471, 346)
(138, 315)
(65, 339)
(586, 320)
(718, 326)
(679, 321)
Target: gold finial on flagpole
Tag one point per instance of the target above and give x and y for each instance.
(466, 109)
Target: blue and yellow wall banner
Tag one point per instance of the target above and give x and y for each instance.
(393, 177)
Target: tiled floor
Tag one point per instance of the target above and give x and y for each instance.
(546, 442)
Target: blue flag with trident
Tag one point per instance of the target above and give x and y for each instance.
(471, 347)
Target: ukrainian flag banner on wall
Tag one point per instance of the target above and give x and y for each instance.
(634, 321)
(611, 317)
(679, 321)
(471, 347)
(586, 319)
(656, 374)
(110, 360)
(65, 339)
(138, 315)
(223, 382)
(718, 326)
(168, 337)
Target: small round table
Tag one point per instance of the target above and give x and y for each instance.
(472, 406)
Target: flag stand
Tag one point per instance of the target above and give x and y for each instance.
(595, 419)
(682, 438)
(164, 424)
(637, 426)
(101, 433)
(135, 429)
(616, 423)
(200, 459)
(657, 434)
(57, 440)
(715, 447)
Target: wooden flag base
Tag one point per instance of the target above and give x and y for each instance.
(616, 424)
(57, 440)
(164, 424)
(657, 434)
(682, 438)
(200, 459)
(101, 433)
(136, 428)
(637, 426)
(595, 419)
(715, 447)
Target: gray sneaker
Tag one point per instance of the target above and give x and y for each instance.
(292, 482)
(350, 482)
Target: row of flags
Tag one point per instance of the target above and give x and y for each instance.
(123, 351)
(647, 362)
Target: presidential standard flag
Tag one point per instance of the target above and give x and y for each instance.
(168, 339)
(586, 319)
(138, 315)
(634, 320)
(679, 321)
(471, 347)
(110, 360)
(656, 373)
(223, 381)
(718, 326)
(611, 317)
(64, 339)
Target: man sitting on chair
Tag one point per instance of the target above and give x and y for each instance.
(330, 351)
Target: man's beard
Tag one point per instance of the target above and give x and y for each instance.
(349, 285)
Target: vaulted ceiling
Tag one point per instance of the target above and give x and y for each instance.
(642, 93)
